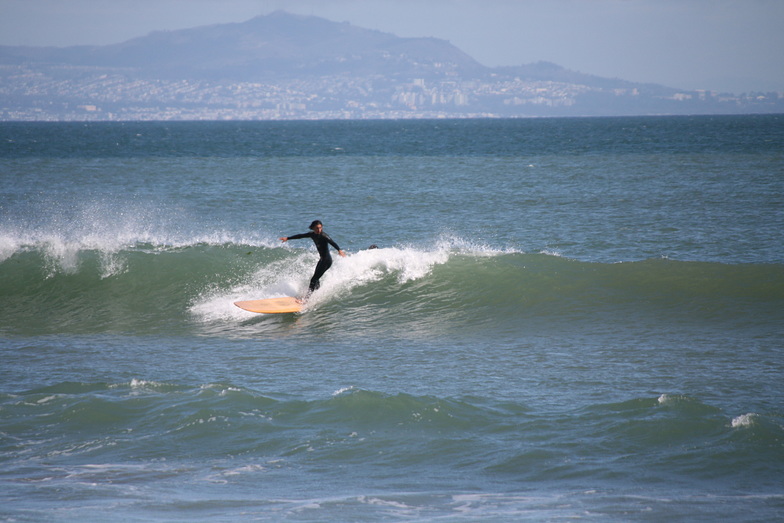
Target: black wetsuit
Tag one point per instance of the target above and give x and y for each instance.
(322, 241)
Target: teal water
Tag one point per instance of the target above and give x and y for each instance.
(565, 318)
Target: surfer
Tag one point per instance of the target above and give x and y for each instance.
(322, 241)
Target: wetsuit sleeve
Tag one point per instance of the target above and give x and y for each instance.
(331, 241)
(299, 236)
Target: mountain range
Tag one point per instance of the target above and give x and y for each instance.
(290, 66)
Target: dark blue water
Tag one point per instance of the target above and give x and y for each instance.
(565, 318)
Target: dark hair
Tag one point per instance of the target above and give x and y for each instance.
(313, 225)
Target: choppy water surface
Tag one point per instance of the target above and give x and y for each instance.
(565, 318)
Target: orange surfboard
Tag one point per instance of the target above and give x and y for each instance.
(271, 305)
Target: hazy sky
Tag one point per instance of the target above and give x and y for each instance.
(727, 45)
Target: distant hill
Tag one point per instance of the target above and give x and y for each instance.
(279, 44)
(284, 66)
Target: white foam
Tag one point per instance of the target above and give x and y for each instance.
(451, 243)
(245, 469)
(665, 399)
(372, 264)
(744, 420)
(9, 244)
(343, 390)
(112, 265)
(282, 278)
(107, 228)
(290, 277)
(139, 386)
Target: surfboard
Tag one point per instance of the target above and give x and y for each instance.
(271, 305)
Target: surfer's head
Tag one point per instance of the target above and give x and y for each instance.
(315, 224)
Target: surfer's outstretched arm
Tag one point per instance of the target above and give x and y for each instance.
(296, 236)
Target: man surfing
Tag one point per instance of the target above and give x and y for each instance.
(322, 241)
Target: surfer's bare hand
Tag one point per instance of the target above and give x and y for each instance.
(284, 239)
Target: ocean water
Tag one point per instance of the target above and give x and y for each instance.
(565, 319)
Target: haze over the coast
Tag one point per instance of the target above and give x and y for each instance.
(722, 45)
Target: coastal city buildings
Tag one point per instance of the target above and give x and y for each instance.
(87, 94)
